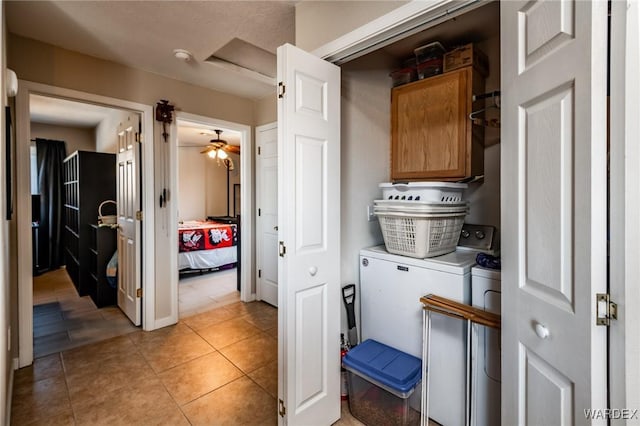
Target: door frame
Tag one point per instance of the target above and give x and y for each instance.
(258, 239)
(246, 195)
(417, 16)
(23, 204)
(624, 344)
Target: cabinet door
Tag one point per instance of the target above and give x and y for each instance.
(430, 130)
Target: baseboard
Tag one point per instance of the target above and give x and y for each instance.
(15, 365)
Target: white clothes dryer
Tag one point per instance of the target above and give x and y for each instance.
(486, 380)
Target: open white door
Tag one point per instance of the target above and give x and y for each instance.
(128, 199)
(554, 207)
(267, 200)
(309, 229)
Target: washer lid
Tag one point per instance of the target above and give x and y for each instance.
(458, 262)
(479, 271)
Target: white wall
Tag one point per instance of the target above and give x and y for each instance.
(202, 185)
(76, 138)
(485, 196)
(8, 289)
(216, 186)
(191, 183)
(365, 155)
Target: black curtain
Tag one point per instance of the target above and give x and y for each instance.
(51, 155)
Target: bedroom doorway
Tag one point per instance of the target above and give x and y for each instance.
(74, 303)
(209, 211)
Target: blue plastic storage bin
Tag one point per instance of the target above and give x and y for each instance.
(381, 379)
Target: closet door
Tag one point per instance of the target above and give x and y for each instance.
(309, 232)
(554, 210)
(267, 221)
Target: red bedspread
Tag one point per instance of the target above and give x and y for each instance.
(197, 235)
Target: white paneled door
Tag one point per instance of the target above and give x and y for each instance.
(309, 232)
(128, 199)
(267, 201)
(554, 207)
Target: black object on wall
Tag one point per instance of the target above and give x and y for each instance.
(51, 154)
(8, 171)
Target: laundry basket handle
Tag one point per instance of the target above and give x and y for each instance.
(102, 204)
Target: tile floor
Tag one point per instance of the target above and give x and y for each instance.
(202, 293)
(219, 367)
(214, 368)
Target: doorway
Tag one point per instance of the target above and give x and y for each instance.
(73, 180)
(24, 202)
(209, 211)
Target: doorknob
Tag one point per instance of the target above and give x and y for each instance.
(313, 271)
(541, 331)
(275, 228)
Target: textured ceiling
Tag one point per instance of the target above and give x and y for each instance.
(143, 34)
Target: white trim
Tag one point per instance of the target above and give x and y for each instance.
(23, 203)
(9, 401)
(402, 22)
(246, 195)
(258, 239)
(624, 271)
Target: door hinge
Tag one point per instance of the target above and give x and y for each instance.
(259, 212)
(281, 408)
(606, 310)
(139, 292)
(283, 249)
(281, 89)
(139, 215)
(138, 137)
(259, 273)
(259, 150)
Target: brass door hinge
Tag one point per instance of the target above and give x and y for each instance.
(259, 150)
(606, 310)
(139, 215)
(139, 292)
(138, 137)
(282, 410)
(281, 89)
(282, 249)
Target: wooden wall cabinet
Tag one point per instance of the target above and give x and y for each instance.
(432, 137)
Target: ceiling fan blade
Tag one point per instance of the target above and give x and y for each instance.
(207, 149)
(232, 148)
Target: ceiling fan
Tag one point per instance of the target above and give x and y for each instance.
(219, 148)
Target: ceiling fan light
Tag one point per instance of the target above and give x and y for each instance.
(222, 155)
(212, 153)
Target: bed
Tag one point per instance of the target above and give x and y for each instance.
(205, 246)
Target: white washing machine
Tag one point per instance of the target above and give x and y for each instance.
(391, 313)
(485, 395)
